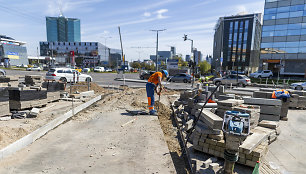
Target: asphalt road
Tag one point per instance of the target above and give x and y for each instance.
(106, 79)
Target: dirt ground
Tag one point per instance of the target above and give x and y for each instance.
(135, 99)
(14, 129)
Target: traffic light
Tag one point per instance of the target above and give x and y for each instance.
(185, 37)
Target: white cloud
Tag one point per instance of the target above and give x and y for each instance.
(160, 13)
(147, 14)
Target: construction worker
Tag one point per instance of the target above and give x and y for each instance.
(151, 86)
(281, 94)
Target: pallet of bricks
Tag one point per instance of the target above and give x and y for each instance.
(271, 109)
(297, 101)
(4, 102)
(208, 137)
(33, 80)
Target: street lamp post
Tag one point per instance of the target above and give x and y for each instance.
(105, 38)
(193, 65)
(156, 59)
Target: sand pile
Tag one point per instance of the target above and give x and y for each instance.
(93, 86)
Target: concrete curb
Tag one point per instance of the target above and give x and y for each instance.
(30, 138)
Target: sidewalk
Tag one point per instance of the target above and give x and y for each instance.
(111, 143)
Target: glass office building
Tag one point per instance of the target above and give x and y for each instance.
(237, 43)
(12, 52)
(61, 29)
(87, 54)
(283, 44)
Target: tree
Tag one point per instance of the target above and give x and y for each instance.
(204, 67)
(135, 65)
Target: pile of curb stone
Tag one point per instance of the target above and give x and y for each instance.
(208, 136)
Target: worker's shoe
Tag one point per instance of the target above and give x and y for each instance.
(153, 112)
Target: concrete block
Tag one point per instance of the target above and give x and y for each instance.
(211, 120)
(230, 102)
(269, 117)
(204, 129)
(211, 142)
(270, 110)
(34, 112)
(216, 137)
(262, 94)
(269, 124)
(302, 102)
(250, 163)
(261, 101)
(252, 141)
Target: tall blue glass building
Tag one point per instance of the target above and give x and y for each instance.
(283, 43)
(61, 29)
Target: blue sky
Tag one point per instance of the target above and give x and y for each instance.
(25, 20)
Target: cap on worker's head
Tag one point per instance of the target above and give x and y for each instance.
(165, 72)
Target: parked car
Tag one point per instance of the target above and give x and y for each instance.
(232, 79)
(66, 75)
(2, 72)
(146, 75)
(86, 70)
(99, 69)
(262, 74)
(108, 70)
(21, 66)
(183, 77)
(239, 72)
(34, 68)
(298, 86)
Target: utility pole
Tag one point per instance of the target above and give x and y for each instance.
(194, 62)
(123, 57)
(105, 38)
(156, 59)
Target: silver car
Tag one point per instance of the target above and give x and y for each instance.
(298, 86)
(180, 78)
(232, 79)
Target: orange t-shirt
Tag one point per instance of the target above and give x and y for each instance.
(154, 77)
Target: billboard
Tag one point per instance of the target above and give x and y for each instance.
(12, 55)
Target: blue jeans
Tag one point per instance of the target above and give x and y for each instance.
(150, 94)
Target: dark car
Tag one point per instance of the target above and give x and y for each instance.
(146, 75)
(2, 72)
(183, 77)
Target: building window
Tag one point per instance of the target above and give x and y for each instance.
(90, 44)
(64, 43)
(296, 14)
(69, 43)
(96, 44)
(86, 48)
(58, 43)
(85, 43)
(74, 43)
(66, 48)
(297, 8)
(79, 43)
(283, 9)
(270, 11)
(282, 15)
(270, 16)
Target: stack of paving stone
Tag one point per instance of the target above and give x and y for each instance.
(227, 105)
(270, 109)
(208, 136)
(252, 110)
(23, 98)
(4, 102)
(33, 80)
(54, 86)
